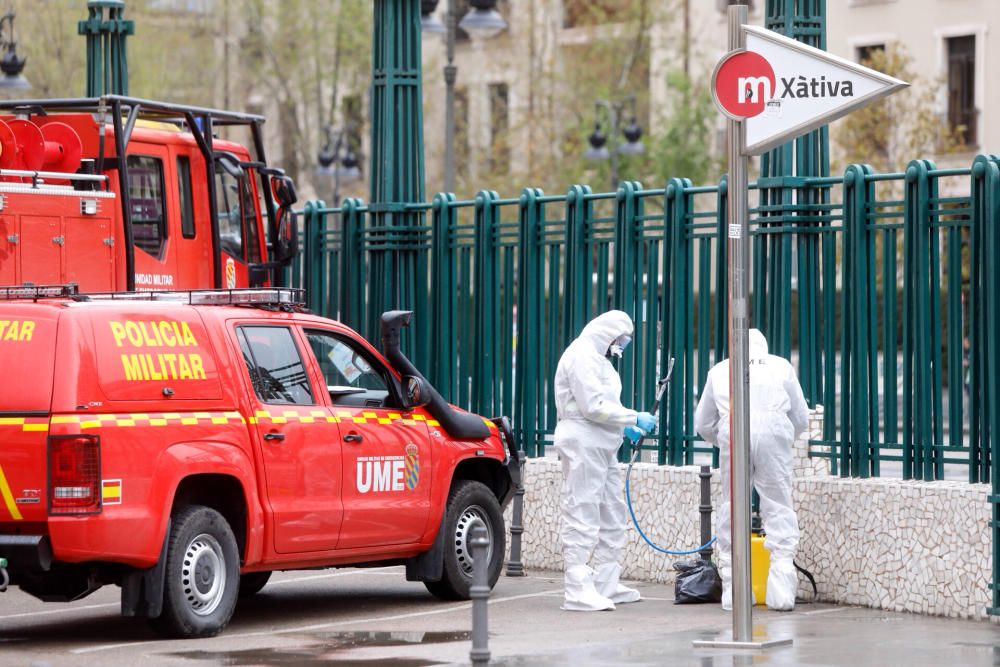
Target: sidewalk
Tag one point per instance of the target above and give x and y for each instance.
(527, 628)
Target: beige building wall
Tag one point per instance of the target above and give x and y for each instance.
(924, 26)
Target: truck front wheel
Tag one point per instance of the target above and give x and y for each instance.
(469, 504)
(202, 578)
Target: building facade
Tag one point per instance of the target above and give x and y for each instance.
(511, 89)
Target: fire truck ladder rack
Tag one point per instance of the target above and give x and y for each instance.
(199, 121)
(38, 177)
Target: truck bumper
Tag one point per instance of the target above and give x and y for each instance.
(27, 552)
(514, 464)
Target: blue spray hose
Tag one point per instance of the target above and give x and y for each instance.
(653, 545)
(628, 475)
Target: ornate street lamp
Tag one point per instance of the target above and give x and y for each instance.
(614, 110)
(483, 21)
(10, 64)
(338, 159)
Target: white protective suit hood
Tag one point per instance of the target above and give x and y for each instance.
(605, 328)
(587, 386)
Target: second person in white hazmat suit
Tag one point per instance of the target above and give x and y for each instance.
(592, 422)
(778, 414)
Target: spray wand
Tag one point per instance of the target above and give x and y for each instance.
(660, 390)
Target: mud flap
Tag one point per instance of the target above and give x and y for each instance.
(142, 590)
(428, 566)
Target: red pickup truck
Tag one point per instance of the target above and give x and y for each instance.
(184, 445)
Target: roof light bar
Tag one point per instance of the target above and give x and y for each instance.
(9, 293)
(223, 297)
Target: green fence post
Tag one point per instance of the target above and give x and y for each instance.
(353, 267)
(443, 296)
(918, 437)
(578, 290)
(107, 55)
(315, 266)
(628, 287)
(856, 322)
(530, 369)
(985, 202)
(677, 307)
(486, 338)
(986, 211)
(395, 241)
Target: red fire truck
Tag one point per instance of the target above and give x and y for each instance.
(124, 194)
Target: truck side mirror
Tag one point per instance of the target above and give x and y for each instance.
(416, 392)
(287, 243)
(283, 188)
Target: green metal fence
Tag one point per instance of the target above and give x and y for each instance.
(875, 285)
(883, 289)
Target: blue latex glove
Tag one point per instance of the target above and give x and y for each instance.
(646, 422)
(633, 434)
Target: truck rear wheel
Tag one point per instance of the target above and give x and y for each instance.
(202, 578)
(469, 504)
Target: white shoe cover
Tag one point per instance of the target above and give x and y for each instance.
(606, 580)
(580, 592)
(727, 590)
(782, 584)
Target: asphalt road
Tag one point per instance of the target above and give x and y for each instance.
(358, 618)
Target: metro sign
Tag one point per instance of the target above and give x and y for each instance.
(781, 88)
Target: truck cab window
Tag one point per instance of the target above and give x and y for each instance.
(352, 376)
(147, 212)
(274, 365)
(184, 196)
(229, 200)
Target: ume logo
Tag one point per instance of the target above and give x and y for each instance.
(744, 83)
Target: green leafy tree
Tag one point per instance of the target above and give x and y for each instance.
(901, 127)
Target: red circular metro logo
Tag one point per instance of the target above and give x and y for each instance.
(744, 81)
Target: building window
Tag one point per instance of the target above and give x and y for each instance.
(865, 54)
(145, 192)
(499, 125)
(962, 87)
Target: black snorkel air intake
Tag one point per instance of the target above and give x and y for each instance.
(461, 425)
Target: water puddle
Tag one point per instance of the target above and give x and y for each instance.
(327, 649)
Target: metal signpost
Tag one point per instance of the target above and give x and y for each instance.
(772, 89)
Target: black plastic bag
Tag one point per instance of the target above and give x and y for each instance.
(697, 581)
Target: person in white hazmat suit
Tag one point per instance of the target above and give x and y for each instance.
(778, 414)
(592, 423)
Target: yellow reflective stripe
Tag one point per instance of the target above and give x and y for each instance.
(36, 427)
(11, 421)
(8, 498)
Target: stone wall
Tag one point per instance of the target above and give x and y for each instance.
(886, 543)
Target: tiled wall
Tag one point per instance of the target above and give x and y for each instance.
(886, 543)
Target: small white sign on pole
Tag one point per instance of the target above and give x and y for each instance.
(782, 88)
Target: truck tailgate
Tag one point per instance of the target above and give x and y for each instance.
(27, 357)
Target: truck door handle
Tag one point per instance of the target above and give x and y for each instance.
(274, 436)
(353, 437)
